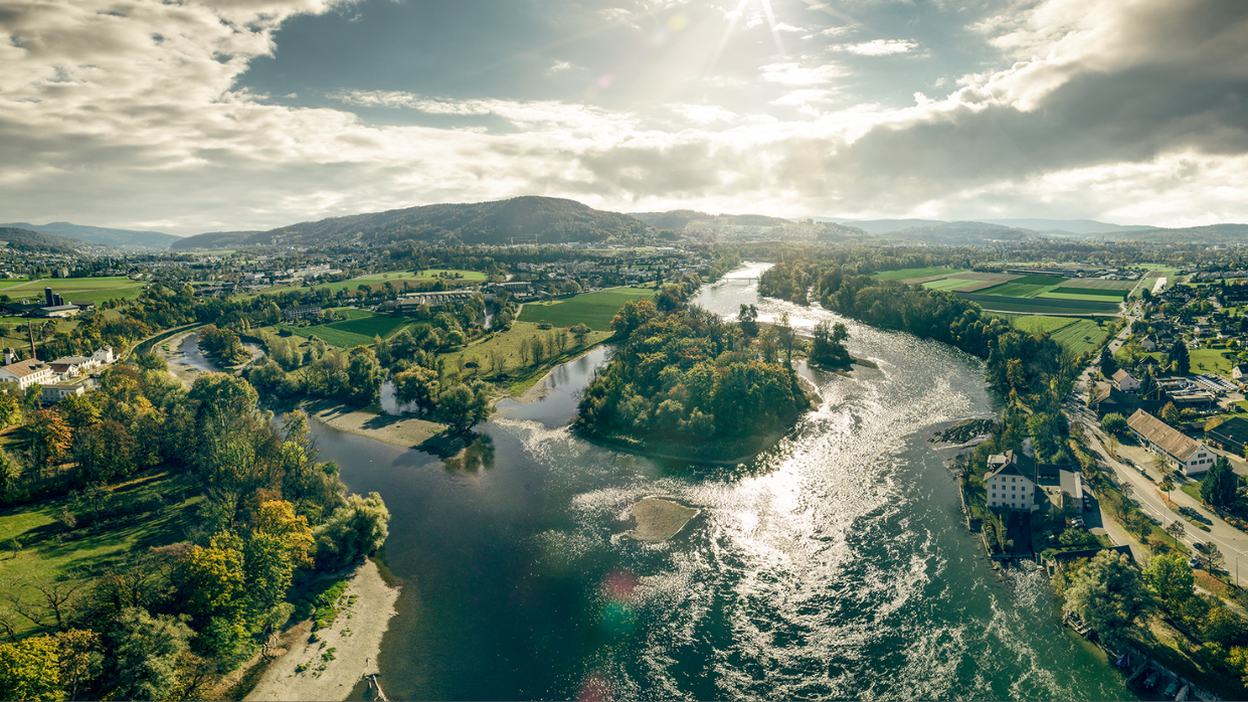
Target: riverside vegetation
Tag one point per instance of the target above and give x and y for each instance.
(247, 513)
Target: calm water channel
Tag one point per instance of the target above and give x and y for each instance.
(834, 566)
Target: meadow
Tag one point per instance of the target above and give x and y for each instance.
(358, 329)
(1025, 287)
(1075, 335)
(1213, 361)
(94, 290)
(49, 553)
(915, 273)
(595, 309)
(508, 344)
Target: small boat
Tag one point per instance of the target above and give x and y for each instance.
(1171, 689)
(1182, 696)
(1151, 679)
(1124, 660)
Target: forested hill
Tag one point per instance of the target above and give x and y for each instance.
(520, 220)
(104, 236)
(26, 240)
(679, 219)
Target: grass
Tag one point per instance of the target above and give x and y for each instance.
(1082, 335)
(1090, 292)
(508, 343)
(595, 309)
(45, 558)
(1212, 361)
(1029, 306)
(1097, 284)
(94, 290)
(1025, 287)
(950, 283)
(1039, 323)
(911, 273)
(358, 330)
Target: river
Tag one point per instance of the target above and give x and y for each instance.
(835, 565)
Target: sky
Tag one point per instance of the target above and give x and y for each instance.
(188, 116)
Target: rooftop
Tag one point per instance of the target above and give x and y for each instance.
(1162, 435)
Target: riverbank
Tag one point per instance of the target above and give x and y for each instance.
(348, 650)
(179, 367)
(390, 429)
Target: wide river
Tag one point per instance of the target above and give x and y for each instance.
(834, 566)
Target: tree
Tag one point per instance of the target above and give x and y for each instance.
(1114, 424)
(78, 411)
(1176, 530)
(211, 580)
(1212, 558)
(10, 410)
(104, 451)
(1220, 485)
(145, 651)
(747, 319)
(631, 316)
(30, 670)
(80, 660)
(581, 332)
(1107, 363)
(462, 406)
(1166, 486)
(1171, 579)
(364, 375)
(1170, 414)
(48, 438)
(353, 530)
(1109, 595)
(417, 384)
(1179, 358)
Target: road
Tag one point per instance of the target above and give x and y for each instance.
(1232, 542)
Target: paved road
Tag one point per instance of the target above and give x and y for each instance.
(1231, 542)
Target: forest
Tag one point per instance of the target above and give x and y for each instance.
(260, 515)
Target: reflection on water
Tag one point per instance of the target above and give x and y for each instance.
(836, 566)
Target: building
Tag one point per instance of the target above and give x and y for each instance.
(26, 373)
(1057, 482)
(1182, 452)
(104, 355)
(1230, 436)
(1124, 382)
(412, 301)
(57, 311)
(1239, 371)
(1105, 399)
(300, 312)
(70, 366)
(1010, 482)
(59, 391)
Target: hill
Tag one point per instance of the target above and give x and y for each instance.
(679, 219)
(522, 220)
(20, 239)
(1211, 234)
(121, 238)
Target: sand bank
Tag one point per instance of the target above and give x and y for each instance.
(659, 520)
(355, 637)
(398, 431)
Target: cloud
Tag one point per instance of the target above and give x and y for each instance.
(878, 47)
(1122, 108)
(558, 66)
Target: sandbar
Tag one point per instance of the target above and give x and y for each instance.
(397, 431)
(659, 520)
(355, 637)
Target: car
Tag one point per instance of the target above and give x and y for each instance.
(1087, 504)
(1193, 562)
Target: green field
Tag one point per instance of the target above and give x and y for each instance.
(1075, 335)
(1032, 306)
(1098, 284)
(911, 273)
(1039, 323)
(508, 345)
(595, 309)
(1212, 361)
(94, 290)
(358, 330)
(949, 283)
(1025, 287)
(45, 558)
(1080, 294)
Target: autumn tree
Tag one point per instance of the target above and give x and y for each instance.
(48, 439)
(1109, 595)
(30, 670)
(354, 530)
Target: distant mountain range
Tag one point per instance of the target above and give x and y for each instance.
(520, 220)
(680, 219)
(120, 238)
(20, 239)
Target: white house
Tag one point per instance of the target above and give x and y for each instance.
(27, 373)
(1239, 371)
(1180, 451)
(1010, 482)
(1125, 382)
(71, 366)
(59, 391)
(104, 355)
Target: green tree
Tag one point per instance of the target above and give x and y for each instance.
(631, 316)
(581, 332)
(1171, 579)
(364, 375)
(1107, 363)
(48, 438)
(356, 529)
(1180, 360)
(1109, 595)
(145, 651)
(417, 384)
(104, 451)
(1114, 424)
(747, 319)
(211, 581)
(78, 411)
(1220, 485)
(10, 410)
(30, 670)
(462, 406)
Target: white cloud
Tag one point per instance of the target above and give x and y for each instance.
(559, 66)
(878, 47)
(792, 73)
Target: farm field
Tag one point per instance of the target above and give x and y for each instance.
(94, 290)
(1084, 294)
(1098, 284)
(951, 283)
(1038, 323)
(1024, 287)
(595, 309)
(1075, 335)
(44, 559)
(358, 330)
(1022, 305)
(914, 273)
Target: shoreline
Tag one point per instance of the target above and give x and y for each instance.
(408, 432)
(355, 638)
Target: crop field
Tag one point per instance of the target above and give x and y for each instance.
(915, 273)
(595, 309)
(1025, 287)
(1098, 284)
(94, 290)
(1084, 294)
(359, 330)
(1023, 305)
(1082, 335)
(1039, 323)
(952, 283)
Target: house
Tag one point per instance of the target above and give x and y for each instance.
(70, 366)
(1125, 382)
(1105, 399)
(104, 355)
(300, 312)
(59, 391)
(1148, 344)
(1183, 453)
(1058, 481)
(1239, 371)
(413, 301)
(26, 373)
(1230, 436)
(1010, 482)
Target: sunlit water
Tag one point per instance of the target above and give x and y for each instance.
(834, 566)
